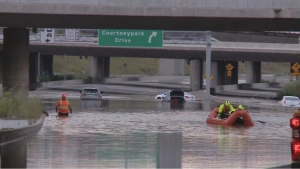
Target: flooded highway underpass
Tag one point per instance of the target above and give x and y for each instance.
(152, 134)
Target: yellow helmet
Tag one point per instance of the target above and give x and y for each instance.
(227, 103)
(241, 107)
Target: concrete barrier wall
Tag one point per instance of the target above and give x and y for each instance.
(218, 89)
(58, 83)
(244, 86)
(258, 85)
(66, 82)
(252, 85)
(13, 135)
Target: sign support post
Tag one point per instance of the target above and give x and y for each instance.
(208, 65)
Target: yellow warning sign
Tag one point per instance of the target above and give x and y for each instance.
(229, 67)
(211, 77)
(229, 73)
(294, 71)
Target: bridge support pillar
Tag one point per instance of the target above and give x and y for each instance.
(16, 59)
(33, 58)
(253, 72)
(106, 67)
(196, 71)
(223, 73)
(169, 150)
(100, 67)
(171, 67)
(46, 64)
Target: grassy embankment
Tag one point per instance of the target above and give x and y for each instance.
(20, 107)
(145, 66)
(290, 89)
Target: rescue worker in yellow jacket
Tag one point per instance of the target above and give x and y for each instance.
(225, 110)
(63, 106)
(240, 107)
(239, 120)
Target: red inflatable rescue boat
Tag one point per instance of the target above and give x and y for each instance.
(212, 118)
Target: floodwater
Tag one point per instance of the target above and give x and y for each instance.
(152, 134)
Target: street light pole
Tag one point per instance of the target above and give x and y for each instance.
(208, 65)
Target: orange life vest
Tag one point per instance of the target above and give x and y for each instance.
(63, 106)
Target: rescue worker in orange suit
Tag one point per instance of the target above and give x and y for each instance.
(63, 106)
(225, 110)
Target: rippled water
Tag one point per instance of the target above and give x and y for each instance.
(152, 134)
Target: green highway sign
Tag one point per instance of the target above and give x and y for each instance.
(130, 38)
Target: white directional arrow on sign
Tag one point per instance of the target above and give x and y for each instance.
(150, 37)
(47, 35)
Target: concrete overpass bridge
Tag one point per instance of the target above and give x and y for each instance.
(229, 15)
(163, 14)
(220, 51)
(176, 45)
(223, 53)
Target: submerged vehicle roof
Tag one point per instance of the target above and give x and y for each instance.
(177, 93)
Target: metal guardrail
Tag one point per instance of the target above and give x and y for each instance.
(91, 36)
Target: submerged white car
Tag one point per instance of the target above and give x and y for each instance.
(187, 96)
(289, 101)
(91, 94)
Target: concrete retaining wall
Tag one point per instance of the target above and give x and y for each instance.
(13, 135)
(79, 82)
(62, 82)
(124, 78)
(219, 89)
